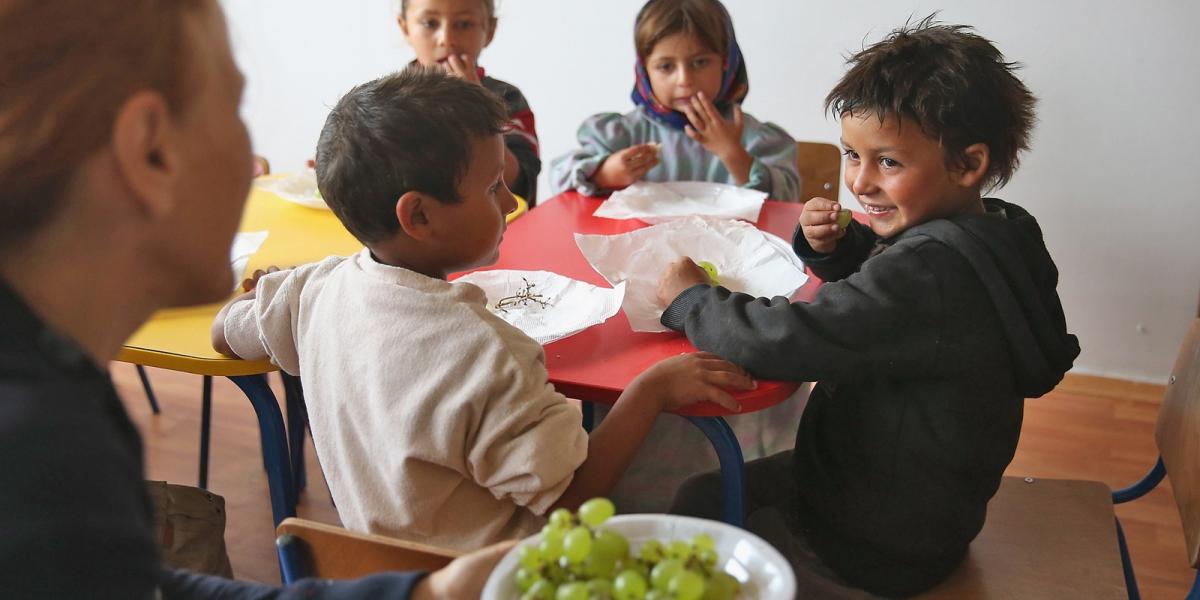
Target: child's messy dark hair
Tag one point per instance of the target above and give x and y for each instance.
(953, 83)
(411, 131)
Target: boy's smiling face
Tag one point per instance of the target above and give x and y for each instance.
(679, 66)
(438, 28)
(468, 232)
(899, 174)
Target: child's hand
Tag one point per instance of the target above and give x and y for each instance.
(688, 379)
(722, 138)
(625, 167)
(252, 282)
(679, 275)
(819, 221)
(463, 67)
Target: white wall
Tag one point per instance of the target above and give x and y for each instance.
(1113, 176)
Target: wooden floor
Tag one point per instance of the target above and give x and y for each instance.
(1089, 428)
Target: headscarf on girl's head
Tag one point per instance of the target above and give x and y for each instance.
(735, 84)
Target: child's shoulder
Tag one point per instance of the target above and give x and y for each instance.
(507, 91)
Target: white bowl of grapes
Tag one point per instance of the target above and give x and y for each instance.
(593, 555)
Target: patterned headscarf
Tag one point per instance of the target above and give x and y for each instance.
(735, 84)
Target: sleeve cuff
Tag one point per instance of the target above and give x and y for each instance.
(759, 178)
(682, 305)
(581, 175)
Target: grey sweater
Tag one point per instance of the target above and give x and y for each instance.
(924, 347)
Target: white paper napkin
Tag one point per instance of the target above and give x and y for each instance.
(562, 306)
(747, 260)
(245, 244)
(299, 187)
(660, 202)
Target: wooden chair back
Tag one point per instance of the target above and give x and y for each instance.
(1178, 437)
(820, 167)
(331, 552)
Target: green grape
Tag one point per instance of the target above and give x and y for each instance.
(651, 551)
(561, 519)
(552, 544)
(610, 544)
(572, 591)
(577, 544)
(599, 566)
(541, 590)
(530, 557)
(703, 541)
(596, 511)
(629, 585)
(686, 585)
(844, 217)
(721, 586)
(679, 549)
(707, 557)
(600, 588)
(526, 578)
(661, 574)
(555, 573)
(657, 595)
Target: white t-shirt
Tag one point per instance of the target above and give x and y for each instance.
(432, 418)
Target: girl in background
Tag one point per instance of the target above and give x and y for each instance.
(688, 124)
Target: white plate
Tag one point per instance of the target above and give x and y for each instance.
(299, 187)
(655, 202)
(761, 569)
(571, 305)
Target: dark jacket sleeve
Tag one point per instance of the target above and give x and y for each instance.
(529, 166)
(885, 318)
(180, 585)
(852, 250)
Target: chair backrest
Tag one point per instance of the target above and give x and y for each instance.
(1178, 436)
(820, 167)
(331, 552)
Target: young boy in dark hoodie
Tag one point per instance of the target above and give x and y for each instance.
(936, 321)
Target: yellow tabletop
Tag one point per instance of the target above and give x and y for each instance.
(178, 338)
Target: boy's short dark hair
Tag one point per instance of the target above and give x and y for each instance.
(410, 131)
(952, 82)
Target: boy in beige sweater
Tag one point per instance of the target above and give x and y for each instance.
(433, 418)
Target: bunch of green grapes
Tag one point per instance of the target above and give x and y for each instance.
(578, 559)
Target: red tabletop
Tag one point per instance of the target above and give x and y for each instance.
(597, 363)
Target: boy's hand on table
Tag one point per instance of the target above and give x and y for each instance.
(688, 379)
(465, 576)
(250, 283)
(463, 67)
(625, 167)
(819, 221)
(680, 275)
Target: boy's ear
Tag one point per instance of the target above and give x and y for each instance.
(412, 211)
(403, 24)
(975, 160)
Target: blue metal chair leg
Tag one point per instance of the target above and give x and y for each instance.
(291, 561)
(274, 444)
(205, 429)
(297, 419)
(1195, 593)
(589, 416)
(149, 391)
(1131, 586)
(733, 466)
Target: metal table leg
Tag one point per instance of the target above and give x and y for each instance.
(274, 444)
(297, 419)
(205, 429)
(733, 466)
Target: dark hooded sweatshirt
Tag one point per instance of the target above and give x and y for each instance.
(924, 347)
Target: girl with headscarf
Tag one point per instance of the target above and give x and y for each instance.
(688, 124)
